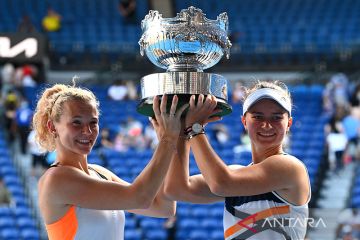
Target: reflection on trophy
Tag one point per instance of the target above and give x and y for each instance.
(184, 46)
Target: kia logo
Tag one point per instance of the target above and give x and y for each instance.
(29, 46)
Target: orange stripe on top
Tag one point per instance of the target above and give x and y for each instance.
(256, 217)
(65, 228)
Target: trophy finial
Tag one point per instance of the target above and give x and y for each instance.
(193, 14)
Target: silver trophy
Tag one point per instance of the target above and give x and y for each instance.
(184, 46)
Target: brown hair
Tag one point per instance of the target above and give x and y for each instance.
(277, 85)
(50, 107)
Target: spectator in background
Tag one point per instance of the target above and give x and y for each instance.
(24, 76)
(39, 163)
(336, 93)
(52, 21)
(118, 91)
(238, 93)
(10, 105)
(347, 233)
(355, 96)
(127, 9)
(133, 133)
(245, 143)
(7, 76)
(29, 72)
(23, 121)
(221, 134)
(133, 127)
(121, 142)
(25, 25)
(336, 139)
(131, 90)
(5, 196)
(105, 140)
(351, 125)
(18, 77)
(348, 224)
(151, 139)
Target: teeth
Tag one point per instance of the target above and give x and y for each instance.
(267, 135)
(84, 141)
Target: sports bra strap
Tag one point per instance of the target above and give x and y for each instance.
(101, 175)
(91, 168)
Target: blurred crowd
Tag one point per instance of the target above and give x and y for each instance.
(341, 100)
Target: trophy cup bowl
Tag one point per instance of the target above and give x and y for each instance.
(184, 46)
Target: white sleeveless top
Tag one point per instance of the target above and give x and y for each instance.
(264, 217)
(100, 224)
(90, 224)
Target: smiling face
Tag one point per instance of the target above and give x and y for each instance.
(77, 128)
(267, 123)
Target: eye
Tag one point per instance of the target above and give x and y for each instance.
(277, 118)
(76, 122)
(257, 117)
(94, 123)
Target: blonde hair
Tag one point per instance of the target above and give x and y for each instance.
(277, 85)
(50, 107)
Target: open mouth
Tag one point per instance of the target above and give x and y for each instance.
(266, 134)
(84, 142)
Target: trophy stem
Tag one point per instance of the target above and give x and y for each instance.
(184, 68)
(184, 85)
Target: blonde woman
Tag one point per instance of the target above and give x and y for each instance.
(84, 201)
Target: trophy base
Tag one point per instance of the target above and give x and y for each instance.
(145, 107)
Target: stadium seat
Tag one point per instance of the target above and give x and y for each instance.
(30, 233)
(10, 233)
(132, 234)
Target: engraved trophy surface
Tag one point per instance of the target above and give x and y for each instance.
(184, 45)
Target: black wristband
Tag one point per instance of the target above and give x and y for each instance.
(187, 130)
(192, 135)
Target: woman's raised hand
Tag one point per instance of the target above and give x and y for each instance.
(203, 111)
(167, 125)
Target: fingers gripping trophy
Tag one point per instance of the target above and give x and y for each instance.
(185, 46)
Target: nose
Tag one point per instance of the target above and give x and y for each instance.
(86, 129)
(266, 125)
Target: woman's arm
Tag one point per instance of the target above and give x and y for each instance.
(278, 172)
(180, 186)
(71, 186)
(161, 206)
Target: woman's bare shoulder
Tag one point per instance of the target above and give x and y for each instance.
(57, 177)
(286, 163)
